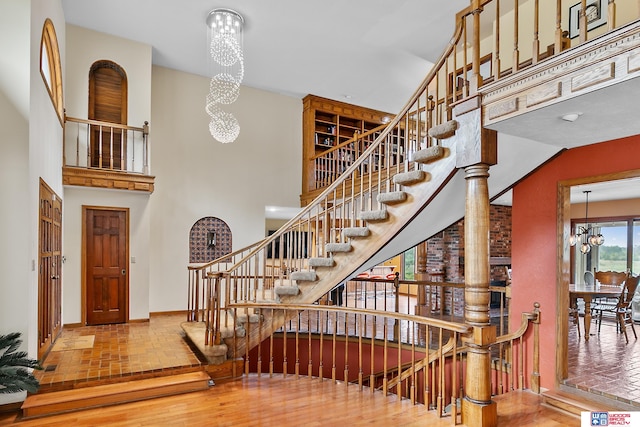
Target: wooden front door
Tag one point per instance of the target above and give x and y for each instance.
(49, 268)
(106, 268)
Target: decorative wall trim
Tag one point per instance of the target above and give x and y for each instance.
(611, 59)
(107, 179)
(201, 247)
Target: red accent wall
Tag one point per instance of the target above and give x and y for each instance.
(534, 221)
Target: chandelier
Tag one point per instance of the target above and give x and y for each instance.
(584, 234)
(225, 48)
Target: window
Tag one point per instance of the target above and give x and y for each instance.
(619, 252)
(409, 264)
(50, 67)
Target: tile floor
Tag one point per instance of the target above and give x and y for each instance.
(605, 364)
(146, 349)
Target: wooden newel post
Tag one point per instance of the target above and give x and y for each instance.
(477, 407)
(535, 376)
(476, 151)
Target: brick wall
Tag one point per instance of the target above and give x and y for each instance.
(445, 251)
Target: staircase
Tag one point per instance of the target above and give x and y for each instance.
(399, 175)
(44, 404)
(314, 257)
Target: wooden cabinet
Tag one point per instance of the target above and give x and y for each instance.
(327, 124)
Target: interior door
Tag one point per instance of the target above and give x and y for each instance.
(108, 103)
(49, 269)
(106, 269)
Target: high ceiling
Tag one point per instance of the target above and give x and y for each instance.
(372, 53)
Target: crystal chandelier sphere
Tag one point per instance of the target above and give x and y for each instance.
(585, 248)
(223, 89)
(224, 127)
(226, 50)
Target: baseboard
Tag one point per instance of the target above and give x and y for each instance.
(144, 320)
(72, 325)
(168, 313)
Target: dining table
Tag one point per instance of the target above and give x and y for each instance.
(587, 293)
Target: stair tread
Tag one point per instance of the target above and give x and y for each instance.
(84, 393)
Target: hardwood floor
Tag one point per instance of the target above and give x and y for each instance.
(279, 401)
(125, 352)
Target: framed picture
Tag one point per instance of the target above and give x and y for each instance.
(596, 16)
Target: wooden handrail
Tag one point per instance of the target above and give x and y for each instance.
(394, 122)
(526, 317)
(437, 323)
(144, 129)
(200, 266)
(346, 143)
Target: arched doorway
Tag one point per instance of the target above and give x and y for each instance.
(108, 103)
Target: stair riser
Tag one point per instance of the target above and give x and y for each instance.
(77, 400)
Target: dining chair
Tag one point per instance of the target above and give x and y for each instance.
(607, 278)
(610, 278)
(622, 310)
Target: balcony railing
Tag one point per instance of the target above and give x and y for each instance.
(103, 145)
(108, 155)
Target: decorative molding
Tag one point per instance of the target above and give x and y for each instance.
(594, 76)
(603, 62)
(503, 108)
(107, 179)
(544, 93)
(633, 63)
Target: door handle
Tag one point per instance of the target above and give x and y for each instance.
(124, 272)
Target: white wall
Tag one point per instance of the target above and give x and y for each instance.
(14, 61)
(30, 139)
(138, 204)
(197, 176)
(45, 141)
(84, 47)
(14, 178)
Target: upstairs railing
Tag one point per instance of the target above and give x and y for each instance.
(507, 36)
(94, 144)
(331, 163)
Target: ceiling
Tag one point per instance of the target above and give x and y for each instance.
(372, 53)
